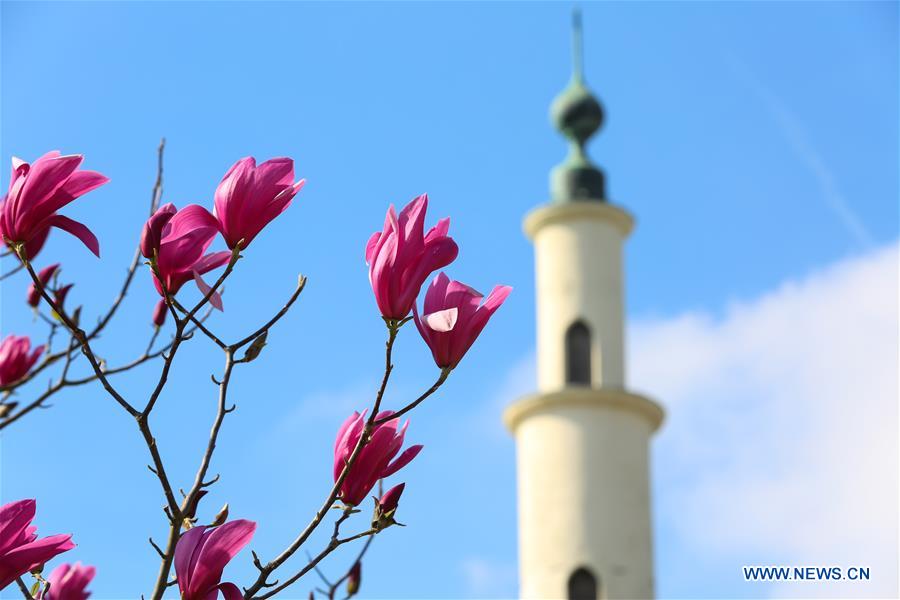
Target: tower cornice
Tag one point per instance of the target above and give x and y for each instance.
(548, 214)
(600, 397)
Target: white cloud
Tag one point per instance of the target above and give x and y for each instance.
(487, 578)
(782, 438)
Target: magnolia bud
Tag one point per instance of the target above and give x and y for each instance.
(159, 313)
(45, 275)
(354, 578)
(7, 408)
(221, 517)
(386, 507)
(59, 296)
(151, 234)
(256, 347)
(191, 509)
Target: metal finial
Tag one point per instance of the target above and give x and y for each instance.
(577, 45)
(578, 115)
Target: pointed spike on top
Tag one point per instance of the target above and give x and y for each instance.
(577, 45)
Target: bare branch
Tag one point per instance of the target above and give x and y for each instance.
(311, 565)
(393, 328)
(301, 283)
(155, 197)
(24, 588)
(10, 273)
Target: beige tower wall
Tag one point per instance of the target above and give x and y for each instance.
(578, 258)
(582, 451)
(583, 488)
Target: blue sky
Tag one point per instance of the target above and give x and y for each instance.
(755, 142)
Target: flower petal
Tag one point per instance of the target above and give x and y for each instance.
(77, 229)
(188, 545)
(404, 459)
(215, 299)
(220, 547)
(230, 591)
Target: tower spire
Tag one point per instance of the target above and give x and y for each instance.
(577, 46)
(577, 114)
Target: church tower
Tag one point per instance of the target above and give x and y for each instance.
(583, 440)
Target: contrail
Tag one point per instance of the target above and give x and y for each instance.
(800, 143)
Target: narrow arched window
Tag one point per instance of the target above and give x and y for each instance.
(578, 354)
(582, 585)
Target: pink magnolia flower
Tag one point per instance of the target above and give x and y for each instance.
(201, 555)
(454, 316)
(45, 275)
(38, 190)
(374, 462)
(69, 582)
(401, 258)
(250, 197)
(178, 240)
(37, 242)
(17, 358)
(20, 550)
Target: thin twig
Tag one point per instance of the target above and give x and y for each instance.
(301, 283)
(393, 327)
(10, 273)
(49, 359)
(155, 198)
(445, 373)
(191, 496)
(24, 588)
(77, 333)
(332, 545)
(64, 383)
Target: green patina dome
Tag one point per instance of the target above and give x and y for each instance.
(576, 112)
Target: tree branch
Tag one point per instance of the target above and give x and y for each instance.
(63, 382)
(332, 545)
(155, 197)
(393, 328)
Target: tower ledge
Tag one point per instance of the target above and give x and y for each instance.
(608, 397)
(620, 218)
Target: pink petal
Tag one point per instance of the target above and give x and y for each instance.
(78, 184)
(275, 171)
(497, 297)
(15, 516)
(39, 551)
(45, 176)
(77, 229)
(436, 294)
(439, 230)
(188, 219)
(215, 299)
(404, 459)
(443, 320)
(371, 245)
(211, 261)
(220, 547)
(185, 550)
(230, 591)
